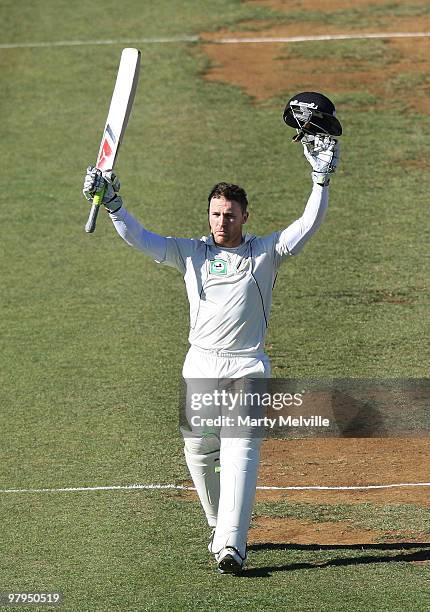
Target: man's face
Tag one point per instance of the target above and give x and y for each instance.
(226, 220)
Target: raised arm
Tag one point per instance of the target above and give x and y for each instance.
(294, 237)
(134, 234)
(162, 249)
(323, 155)
(125, 224)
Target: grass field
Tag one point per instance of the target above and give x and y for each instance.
(94, 334)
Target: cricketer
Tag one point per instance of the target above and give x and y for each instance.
(229, 277)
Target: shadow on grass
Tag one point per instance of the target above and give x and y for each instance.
(420, 551)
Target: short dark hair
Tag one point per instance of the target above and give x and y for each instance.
(230, 192)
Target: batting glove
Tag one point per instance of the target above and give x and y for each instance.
(323, 155)
(96, 181)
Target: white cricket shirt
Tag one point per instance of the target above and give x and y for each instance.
(229, 290)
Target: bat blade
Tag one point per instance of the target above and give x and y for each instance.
(116, 122)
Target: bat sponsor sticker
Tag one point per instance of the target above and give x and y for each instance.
(105, 155)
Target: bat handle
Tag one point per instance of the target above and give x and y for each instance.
(92, 217)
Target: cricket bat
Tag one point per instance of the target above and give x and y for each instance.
(116, 122)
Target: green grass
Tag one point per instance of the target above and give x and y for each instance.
(377, 53)
(144, 552)
(392, 517)
(94, 334)
(60, 20)
(361, 17)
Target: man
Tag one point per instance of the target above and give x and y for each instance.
(229, 279)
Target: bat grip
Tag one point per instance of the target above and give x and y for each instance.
(92, 217)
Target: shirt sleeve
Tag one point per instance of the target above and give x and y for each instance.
(162, 249)
(291, 240)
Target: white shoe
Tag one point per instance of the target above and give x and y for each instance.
(229, 560)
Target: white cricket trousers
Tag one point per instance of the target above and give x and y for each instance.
(224, 469)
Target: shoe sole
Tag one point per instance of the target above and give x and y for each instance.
(229, 565)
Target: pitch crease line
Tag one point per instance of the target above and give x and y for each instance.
(186, 488)
(226, 40)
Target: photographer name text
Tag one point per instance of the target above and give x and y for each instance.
(247, 421)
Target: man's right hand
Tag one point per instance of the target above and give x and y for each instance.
(96, 181)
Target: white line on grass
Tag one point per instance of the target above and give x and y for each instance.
(293, 39)
(185, 488)
(226, 40)
(87, 43)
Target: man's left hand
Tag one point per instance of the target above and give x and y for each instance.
(323, 155)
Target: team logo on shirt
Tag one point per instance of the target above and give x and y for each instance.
(218, 267)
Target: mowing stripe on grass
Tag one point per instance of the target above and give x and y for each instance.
(185, 488)
(188, 39)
